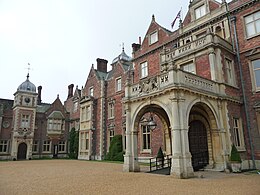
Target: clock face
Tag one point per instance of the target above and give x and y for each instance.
(27, 100)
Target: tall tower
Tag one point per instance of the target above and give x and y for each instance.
(24, 113)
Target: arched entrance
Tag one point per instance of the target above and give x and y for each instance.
(22, 150)
(203, 146)
(198, 144)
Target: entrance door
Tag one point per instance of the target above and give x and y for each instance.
(198, 144)
(22, 149)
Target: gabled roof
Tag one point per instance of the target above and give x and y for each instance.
(56, 115)
(43, 107)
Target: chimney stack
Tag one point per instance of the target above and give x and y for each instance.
(135, 47)
(102, 65)
(70, 91)
(39, 99)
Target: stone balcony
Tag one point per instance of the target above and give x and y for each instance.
(194, 46)
(175, 79)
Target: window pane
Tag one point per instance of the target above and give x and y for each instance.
(256, 64)
(250, 28)
(257, 78)
(257, 15)
(249, 19)
(257, 24)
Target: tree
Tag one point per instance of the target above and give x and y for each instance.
(116, 149)
(74, 143)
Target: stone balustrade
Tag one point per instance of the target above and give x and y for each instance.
(173, 79)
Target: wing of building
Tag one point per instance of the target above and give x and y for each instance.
(194, 92)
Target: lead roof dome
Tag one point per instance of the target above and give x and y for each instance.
(27, 86)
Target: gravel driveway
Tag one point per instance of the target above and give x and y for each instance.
(89, 177)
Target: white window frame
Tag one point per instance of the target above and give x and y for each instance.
(35, 147)
(118, 84)
(230, 71)
(200, 11)
(189, 67)
(62, 146)
(4, 144)
(55, 124)
(146, 138)
(153, 38)
(253, 24)
(46, 145)
(111, 109)
(91, 91)
(75, 106)
(238, 136)
(144, 69)
(254, 77)
(25, 121)
(87, 141)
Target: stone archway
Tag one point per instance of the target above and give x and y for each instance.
(133, 139)
(22, 150)
(204, 138)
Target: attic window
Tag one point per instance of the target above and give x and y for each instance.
(153, 37)
(200, 11)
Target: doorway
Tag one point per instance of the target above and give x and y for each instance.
(198, 144)
(22, 150)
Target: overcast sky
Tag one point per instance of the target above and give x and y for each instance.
(61, 39)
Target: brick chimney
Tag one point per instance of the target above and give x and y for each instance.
(135, 47)
(70, 91)
(101, 65)
(39, 99)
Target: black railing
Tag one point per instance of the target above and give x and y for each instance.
(160, 163)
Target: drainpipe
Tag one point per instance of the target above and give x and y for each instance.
(233, 19)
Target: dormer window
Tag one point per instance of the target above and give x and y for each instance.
(200, 11)
(153, 37)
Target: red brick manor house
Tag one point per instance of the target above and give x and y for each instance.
(199, 84)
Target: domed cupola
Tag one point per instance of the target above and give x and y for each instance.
(27, 86)
(122, 57)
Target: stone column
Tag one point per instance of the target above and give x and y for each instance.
(222, 134)
(135, 164)
(177, 162)
(128, 152)
(181, 160)
(212, 62)
(187, 164)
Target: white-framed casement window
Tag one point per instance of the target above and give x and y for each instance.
(3, 146)
(111, 134)
(111, 109)
(200, 11)
(190, 67)
(252, 23)
(146, 138)
(75, 106)
(144, 69)
(55, 124)
(91, 91)
(118, 84)
(230, 72)
(238, 136)
(84, 141)
(153, 37)
(256, 74)
(35, 147)
(85, 113)
(62, 146)
(87, 140)
(25, 122)
(47, 146)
